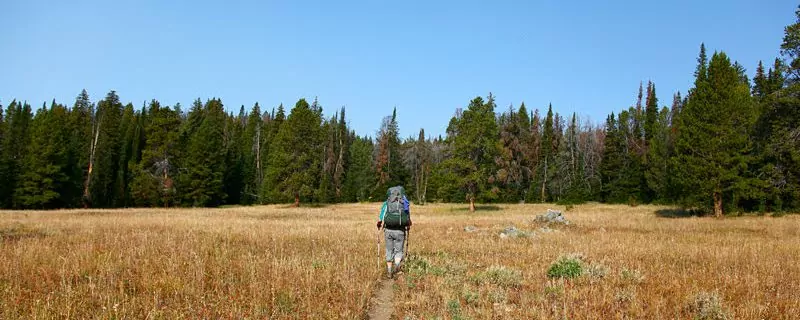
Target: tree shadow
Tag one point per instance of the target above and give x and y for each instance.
(675, 213)
(485, 207)
(307, 205)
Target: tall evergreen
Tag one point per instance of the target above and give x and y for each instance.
(294, 162)
(203, 182)
(105, 167)
(44, 169)
(252, 142)
(233, 182)
(611, 167)
(128, 153)
(475, 149)
(14, 146)
(153, 177)
(713, 149)
(360, 178)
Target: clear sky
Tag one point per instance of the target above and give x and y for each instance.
(426, 58)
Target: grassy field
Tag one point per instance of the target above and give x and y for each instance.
(320, 263)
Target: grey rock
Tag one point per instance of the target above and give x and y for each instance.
(470, 228)
(552, 216)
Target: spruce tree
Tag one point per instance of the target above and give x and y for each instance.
(359, 179)
(475, 149)
(252, 162)
(713, 148)
(294, 164)
(105, 166)
(611, 167)
(202, 184)
(153, 177)
(44, 167)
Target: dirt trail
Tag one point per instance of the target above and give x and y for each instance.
(381, 305)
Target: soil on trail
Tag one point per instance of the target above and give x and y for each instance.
(381, 305)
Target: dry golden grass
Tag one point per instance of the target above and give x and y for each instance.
(320, 263)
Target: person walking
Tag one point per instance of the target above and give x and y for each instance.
(395, 220)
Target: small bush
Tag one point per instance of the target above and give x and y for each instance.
(708, 306)
(632, 276)
(626, 295)
(554, 290)
(566, 267)
(454, 308)
(469, 296)
(500, 276)
(497, 296)
(597, 271)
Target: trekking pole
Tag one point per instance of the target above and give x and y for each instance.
(378, 242)
(408, 239)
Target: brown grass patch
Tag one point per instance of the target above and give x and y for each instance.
(321, 263)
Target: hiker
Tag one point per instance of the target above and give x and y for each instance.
(395, 219)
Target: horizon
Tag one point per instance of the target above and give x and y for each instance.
(425, 59)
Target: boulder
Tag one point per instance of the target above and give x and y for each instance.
(552, 216)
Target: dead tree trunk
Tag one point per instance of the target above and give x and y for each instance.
(717, 204)
(92, 149)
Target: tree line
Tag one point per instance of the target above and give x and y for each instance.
(730, 145)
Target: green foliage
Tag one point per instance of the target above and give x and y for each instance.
(359, 179)
(202, 184)
(293, 166)
(566, 267)
(475, 147)
(499, 275)
(16, 139)
(45, 165)
(714, 149)
(106, 164)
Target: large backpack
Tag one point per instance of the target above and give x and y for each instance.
(396, 217)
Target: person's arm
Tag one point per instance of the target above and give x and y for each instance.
(380, 217)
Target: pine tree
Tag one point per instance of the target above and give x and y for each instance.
(546, 165)
(651, 113)
(79, 126)
(202, 184)
(474, 151)
(44, 167)
(513, 173)
(421, 162)
(153, 177)
(612, 164)
(359, 179)
(659, 153)
(16, 138)
(253, 165)
(105, 165)
(760, 84)
(713, 149)
(233, 131)
(294, 164)
(128, 134)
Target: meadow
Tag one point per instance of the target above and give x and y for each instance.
(323, 263)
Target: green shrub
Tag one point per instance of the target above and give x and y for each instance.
(566, 267)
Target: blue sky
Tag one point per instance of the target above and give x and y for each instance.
(426, 58)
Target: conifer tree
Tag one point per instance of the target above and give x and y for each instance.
(713, 149)
(360, 179)
(16, 138)
(474, 151)
(153, 177)
(202, 184)
(105, 167)
(43, 175)
(294, 164)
